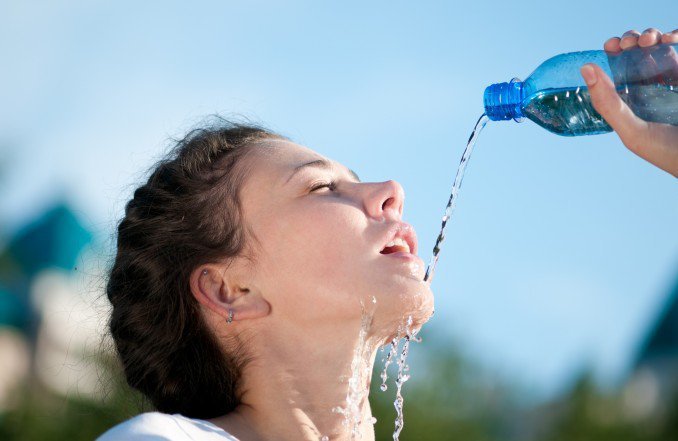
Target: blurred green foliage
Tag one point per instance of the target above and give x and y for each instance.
(456, 400)
(448, 398)
(46, 416)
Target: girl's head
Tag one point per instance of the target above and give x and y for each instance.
(240, 221)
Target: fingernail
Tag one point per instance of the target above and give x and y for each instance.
(589, 74)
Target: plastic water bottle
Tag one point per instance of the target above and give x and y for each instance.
(555, 95)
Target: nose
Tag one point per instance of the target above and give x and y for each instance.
(384, 200)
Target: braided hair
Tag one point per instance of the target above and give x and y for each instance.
(187, 214)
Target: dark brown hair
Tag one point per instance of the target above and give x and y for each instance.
(187, 214)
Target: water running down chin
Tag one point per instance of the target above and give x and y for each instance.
(360, 375)
(360, 372)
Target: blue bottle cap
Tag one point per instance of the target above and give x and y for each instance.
(502, 100)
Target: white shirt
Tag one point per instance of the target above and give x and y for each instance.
(156, 426)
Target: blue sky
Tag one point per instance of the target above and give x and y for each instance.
(562, 250)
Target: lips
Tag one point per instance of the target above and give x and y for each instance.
(395, 246)
(400, 238)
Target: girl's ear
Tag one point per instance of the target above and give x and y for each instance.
(218, 289)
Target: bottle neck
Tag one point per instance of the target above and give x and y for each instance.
(503, 100)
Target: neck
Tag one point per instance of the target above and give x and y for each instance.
(306, 391)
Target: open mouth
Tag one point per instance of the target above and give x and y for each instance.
(395, 246)
(400, 239)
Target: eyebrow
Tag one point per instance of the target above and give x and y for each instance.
(318, 163)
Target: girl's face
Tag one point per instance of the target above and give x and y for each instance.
(327, 245)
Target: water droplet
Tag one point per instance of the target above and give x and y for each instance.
(410, 335)
(393, 349)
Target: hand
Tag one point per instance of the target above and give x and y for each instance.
(656, 143)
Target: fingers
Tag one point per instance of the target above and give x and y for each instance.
(612, 45)
(667, 64)
(656, 143)
(611, 107)
(671, 37)
(642, 67)
(633, 38)
(650, 37)
(629, 40)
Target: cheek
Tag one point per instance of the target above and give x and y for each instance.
(312, 263)
(330, 242)
(325, 243)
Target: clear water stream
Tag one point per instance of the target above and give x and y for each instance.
(411, 334)
(357, 393)
(452, 202)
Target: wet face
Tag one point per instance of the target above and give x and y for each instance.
(327, 243)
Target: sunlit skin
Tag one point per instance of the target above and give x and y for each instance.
(316, 238)
(656, 143)
(314, 264)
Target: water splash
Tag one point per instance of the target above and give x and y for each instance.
(407, 334)
(393, 349)
(403, 376)
(360, 374)
(452, 202)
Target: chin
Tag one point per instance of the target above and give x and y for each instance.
(393, 310)
(421, 306)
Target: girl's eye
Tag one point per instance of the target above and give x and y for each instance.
(329, 185)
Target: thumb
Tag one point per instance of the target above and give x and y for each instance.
(612, 108)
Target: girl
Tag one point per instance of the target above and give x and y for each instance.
(252, 273)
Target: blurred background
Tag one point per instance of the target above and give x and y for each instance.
(557, 289)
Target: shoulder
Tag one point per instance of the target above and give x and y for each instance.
(156, 426)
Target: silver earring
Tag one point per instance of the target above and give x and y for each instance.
(229, 320)
(204, 272)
